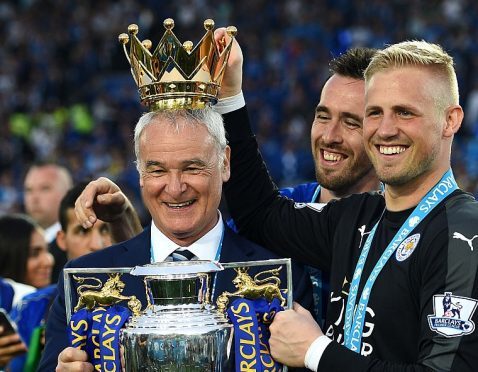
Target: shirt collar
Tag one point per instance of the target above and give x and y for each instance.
(205, 248)
(50, 232)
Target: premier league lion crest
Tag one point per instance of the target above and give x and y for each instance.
(452, 315)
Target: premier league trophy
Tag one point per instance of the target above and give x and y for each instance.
(179, 329)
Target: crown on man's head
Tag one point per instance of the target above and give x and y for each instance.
(177, 75)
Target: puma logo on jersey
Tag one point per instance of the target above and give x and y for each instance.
(457, 235)
(361, 229)
(362, 232)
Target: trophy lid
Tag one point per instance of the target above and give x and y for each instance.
(166, 269)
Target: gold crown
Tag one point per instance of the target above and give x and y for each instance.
(177, 75)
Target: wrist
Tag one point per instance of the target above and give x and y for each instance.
(227, 93)
(229, 104)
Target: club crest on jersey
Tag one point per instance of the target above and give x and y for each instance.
(452, 315)
(315, 206)
(406, 248)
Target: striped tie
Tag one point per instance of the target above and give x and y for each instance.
(182, 254)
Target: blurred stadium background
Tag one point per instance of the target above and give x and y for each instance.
(66, 93)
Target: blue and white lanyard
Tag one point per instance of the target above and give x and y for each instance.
(316, 194)
(354, 322)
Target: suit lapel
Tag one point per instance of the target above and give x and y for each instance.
(136, 252)
(234, 249)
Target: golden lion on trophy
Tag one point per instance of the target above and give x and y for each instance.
(109, 294)
(253, 288)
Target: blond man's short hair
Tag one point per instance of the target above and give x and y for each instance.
(419, 53)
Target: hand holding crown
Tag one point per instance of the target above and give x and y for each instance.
(232, 80)
(176, 75)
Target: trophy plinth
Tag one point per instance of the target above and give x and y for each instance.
(179, 330)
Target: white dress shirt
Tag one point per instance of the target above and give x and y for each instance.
(50, 232)
(206, 248)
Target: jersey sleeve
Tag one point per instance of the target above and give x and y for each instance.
(261, 214)
(449, 290)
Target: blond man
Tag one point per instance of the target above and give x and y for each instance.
(393, 256)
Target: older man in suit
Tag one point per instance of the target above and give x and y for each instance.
(183, 160)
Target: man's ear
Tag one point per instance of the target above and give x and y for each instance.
(454, 117)
(226, 165)
(61, 240)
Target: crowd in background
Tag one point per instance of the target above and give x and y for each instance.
(66, 93)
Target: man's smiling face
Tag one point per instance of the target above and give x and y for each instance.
(403, 127)
(337, 137)
(181, 177)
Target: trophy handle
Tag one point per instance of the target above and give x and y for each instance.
(149, 305)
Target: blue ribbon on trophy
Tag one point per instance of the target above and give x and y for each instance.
(93, 348)
(95, 325)
(79, 329)
(251, 320)
(251, 314)
(97, 332)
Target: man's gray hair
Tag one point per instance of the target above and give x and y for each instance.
(207, 117)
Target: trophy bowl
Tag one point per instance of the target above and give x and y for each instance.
(180, 330)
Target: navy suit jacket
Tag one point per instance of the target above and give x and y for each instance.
(136, 251)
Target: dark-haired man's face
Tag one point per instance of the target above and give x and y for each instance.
(77, 241)
(336, 135)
